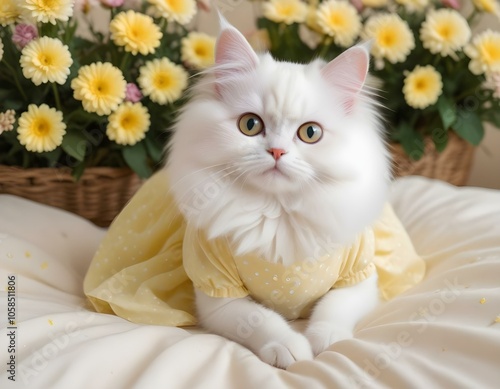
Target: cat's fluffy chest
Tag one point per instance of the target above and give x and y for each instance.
(280, 229)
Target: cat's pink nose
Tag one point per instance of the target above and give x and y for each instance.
(276, 153)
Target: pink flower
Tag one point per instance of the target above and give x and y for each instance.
(132, 93)
(455, 4)
(358, 4)
(112, 3)
(24, 34)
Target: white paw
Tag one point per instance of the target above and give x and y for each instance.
(322, 334)
(282, 353)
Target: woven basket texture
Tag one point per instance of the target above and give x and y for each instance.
(452, 165)
(98, 196)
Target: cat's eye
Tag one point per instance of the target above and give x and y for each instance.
(310, 132)
(250, 124)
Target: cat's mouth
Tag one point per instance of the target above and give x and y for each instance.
(276, 171)
(275, 179)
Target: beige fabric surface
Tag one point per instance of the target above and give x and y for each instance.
(440, 334)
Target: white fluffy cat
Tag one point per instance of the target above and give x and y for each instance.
(285, 157)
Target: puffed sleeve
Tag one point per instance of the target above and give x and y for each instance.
(211, 266)
(398, 264)
(357, 260)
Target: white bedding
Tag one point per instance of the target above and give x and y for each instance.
(440, 334)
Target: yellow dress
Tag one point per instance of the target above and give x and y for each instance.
(150, 259)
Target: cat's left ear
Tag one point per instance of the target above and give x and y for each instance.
(233, 53)
(348, 72)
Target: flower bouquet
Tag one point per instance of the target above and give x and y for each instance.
(433, 75)
(85, 104)
(73, 95)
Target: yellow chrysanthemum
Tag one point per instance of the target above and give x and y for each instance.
(9, 12)
(100, 86)
(136, 32)
(375, 3)
(490, 6)
(46, 60)
(180, 11)
(128, 124)
(444, 32)
(285, 11)
(162, 80)
(198, 50)
(392, 37)
(312, 19)
(484, 52)
(414, 5)
(41, 128)
(340, 20)
(48, 11)
(422, 87)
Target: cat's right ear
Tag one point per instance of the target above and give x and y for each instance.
(348, 72)
(233, 53)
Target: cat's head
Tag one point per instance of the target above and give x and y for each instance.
(256, 127)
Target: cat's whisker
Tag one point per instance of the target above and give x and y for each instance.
(189, 192)
(177, 183)
(324, 179)
(184, 199)
(211, 167)
(236, 169)
(243, 174)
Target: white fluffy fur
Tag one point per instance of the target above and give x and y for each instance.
(321, 193)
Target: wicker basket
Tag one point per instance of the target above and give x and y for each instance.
(98, 196)
(453, 164)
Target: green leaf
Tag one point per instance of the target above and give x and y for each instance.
(136, 158)
(411, 140)
(52, 156)
(78, 171)
(469, 127)
(75, 144)
(440, 139)
(155, 149)
(447, 111)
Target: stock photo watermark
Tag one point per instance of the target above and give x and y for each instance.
(419, 320)
(457, 115)
(11, 327)
(58, 341)
(40, 359)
